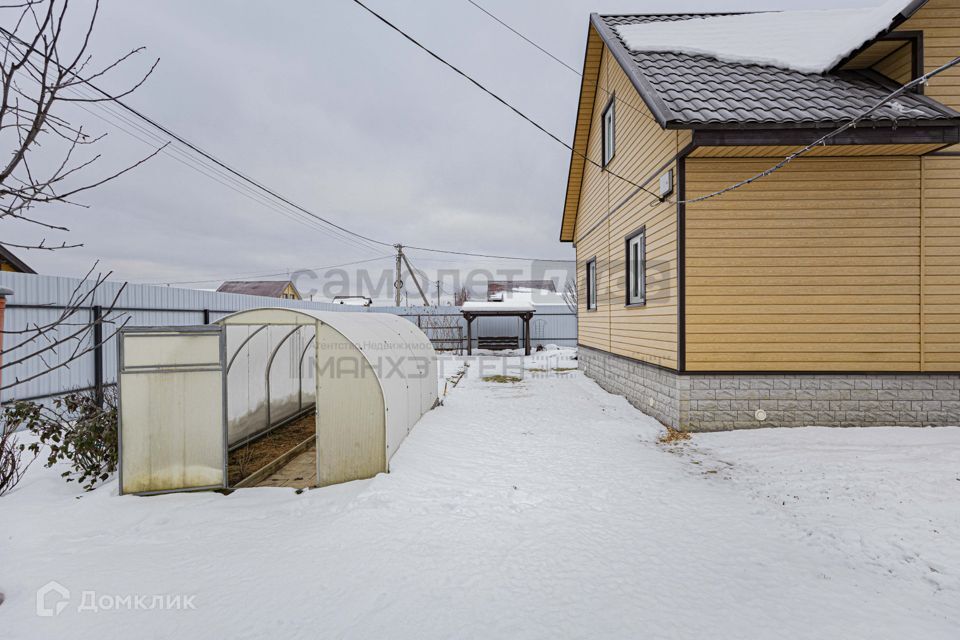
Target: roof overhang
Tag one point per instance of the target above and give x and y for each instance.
(898, 20)
(588, 91)
(921, 135)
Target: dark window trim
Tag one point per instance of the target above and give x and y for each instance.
(682, 258)
(611, 107)
(586, 281)
(643, 249)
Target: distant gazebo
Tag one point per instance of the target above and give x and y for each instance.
(472, 310)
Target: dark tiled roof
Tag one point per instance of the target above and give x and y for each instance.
(268, 288)
(692, 90)
(615, 21)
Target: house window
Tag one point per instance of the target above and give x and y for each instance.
(592, 285)
(609, 132)
(637, 268)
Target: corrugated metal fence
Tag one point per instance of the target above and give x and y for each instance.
(38, 300)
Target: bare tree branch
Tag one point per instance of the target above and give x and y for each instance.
(37, 77)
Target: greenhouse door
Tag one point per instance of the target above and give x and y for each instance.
(172, 416)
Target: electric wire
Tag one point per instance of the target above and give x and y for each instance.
(822, 141)
(502, 101)
(240, 175)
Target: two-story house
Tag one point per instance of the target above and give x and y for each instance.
(825, 293)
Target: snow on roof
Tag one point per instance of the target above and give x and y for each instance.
(478, 305)
(536, 297)
(808, 41)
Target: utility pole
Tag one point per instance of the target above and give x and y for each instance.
(423, 296)
(398, 283)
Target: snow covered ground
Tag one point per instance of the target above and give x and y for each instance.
(539, 509)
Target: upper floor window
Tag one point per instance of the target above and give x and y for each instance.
(637, 268)
(592, 285)
(609, 132)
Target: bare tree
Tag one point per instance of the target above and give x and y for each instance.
(444, 331)
(461, 296)
(570, 294)
(41, 73)
(47, 159)
(12, 461)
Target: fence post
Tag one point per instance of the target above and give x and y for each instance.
(97, 319)
(206, 316)
(3, 305)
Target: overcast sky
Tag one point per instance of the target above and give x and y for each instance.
(327, 106)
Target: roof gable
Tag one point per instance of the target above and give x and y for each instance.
(267, 288)
(8, 256)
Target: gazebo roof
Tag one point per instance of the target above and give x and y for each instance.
(504, 308)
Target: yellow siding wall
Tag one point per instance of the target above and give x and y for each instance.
(940, 22)
(898, 65)
(815, 268)
(941, 263)
(648, 333)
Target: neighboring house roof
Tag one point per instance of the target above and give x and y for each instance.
(7, 256)
(495, 287)
(686, 90)
(267, 288)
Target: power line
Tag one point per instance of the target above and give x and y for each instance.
(482, 255)
(819, 142)
(822, 141)
(204, 168)
(620, 100)
(217, 175)
(499, 99)
(525, 38)
(255, 197)
(244, 177)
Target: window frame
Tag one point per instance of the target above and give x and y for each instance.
(612, 110)
(629, 299)
(590, 300)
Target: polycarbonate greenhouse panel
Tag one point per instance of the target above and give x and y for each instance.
(251, 351)
(350, 412)
(375, 377)
(172, 409)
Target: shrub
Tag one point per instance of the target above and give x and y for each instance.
(75, 430)
(673, 436)
(502, 379)
(13, 462)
